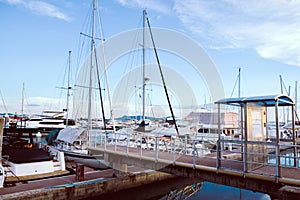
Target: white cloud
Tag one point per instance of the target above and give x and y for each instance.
(13, 2)
(156, 5)
(46, 9)
(270, 27)
(40, 8)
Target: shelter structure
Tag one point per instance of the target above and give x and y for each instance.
(254, 113)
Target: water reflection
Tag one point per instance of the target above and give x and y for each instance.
(209, 190)
(286, 158)
(183, 193)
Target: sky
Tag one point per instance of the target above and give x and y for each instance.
(260, 37)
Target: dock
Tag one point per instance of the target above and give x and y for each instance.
(95, 183)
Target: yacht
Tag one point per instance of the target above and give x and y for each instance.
(24, 158)
(48, 121)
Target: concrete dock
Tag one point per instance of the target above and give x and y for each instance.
(95, 183)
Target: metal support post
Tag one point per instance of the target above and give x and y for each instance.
(156, 150)
(141, 142)
(294, 136)
(277, 143)
(245, 143)
(218, 161)
(194, 154)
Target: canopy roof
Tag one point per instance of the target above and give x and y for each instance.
(283, 100)
(69, 134)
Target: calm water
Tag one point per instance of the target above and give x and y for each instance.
(221, 192)
(161, 191)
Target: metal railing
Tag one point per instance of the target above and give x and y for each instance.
(231, 154)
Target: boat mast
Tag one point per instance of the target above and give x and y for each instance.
(106, 76)
(296, 101)
(22, 109)
(91, 70)
(68, 92)
(162, 77)
(239, 92)
(144, 63)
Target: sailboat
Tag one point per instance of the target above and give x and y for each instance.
(144, 135)
(74, 141)
(89, 139)
(144, 122)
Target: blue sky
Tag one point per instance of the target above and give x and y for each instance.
(261, 37)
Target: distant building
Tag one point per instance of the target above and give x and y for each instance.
(229, 119)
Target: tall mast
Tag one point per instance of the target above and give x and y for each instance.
(68, 92)
(296, 85)
(144, 61)
(22, 109)
(91, 69)
(239, 92)
(162, 77)
(106, 76)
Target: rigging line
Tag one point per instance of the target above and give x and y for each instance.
(133, 60)
(100, 90)
(236, 81)
(151, 106)
(87, 87)
(90, 36)
(283, 84)
(27, 103)
(3, 102)
(81, 41)
(162, 77)
(66, 73)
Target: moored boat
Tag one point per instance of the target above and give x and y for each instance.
(24, 159)
(73, 142)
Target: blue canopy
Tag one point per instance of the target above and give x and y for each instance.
(283, 100)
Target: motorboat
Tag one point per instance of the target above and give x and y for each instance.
(24, 158)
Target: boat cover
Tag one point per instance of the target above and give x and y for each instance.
(26, 155)
(69, 134)
(163, 131)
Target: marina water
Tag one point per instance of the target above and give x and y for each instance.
(221, 192)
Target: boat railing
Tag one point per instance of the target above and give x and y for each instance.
(7, 167)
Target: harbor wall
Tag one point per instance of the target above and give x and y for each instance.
(289, 193)
(85, 189)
